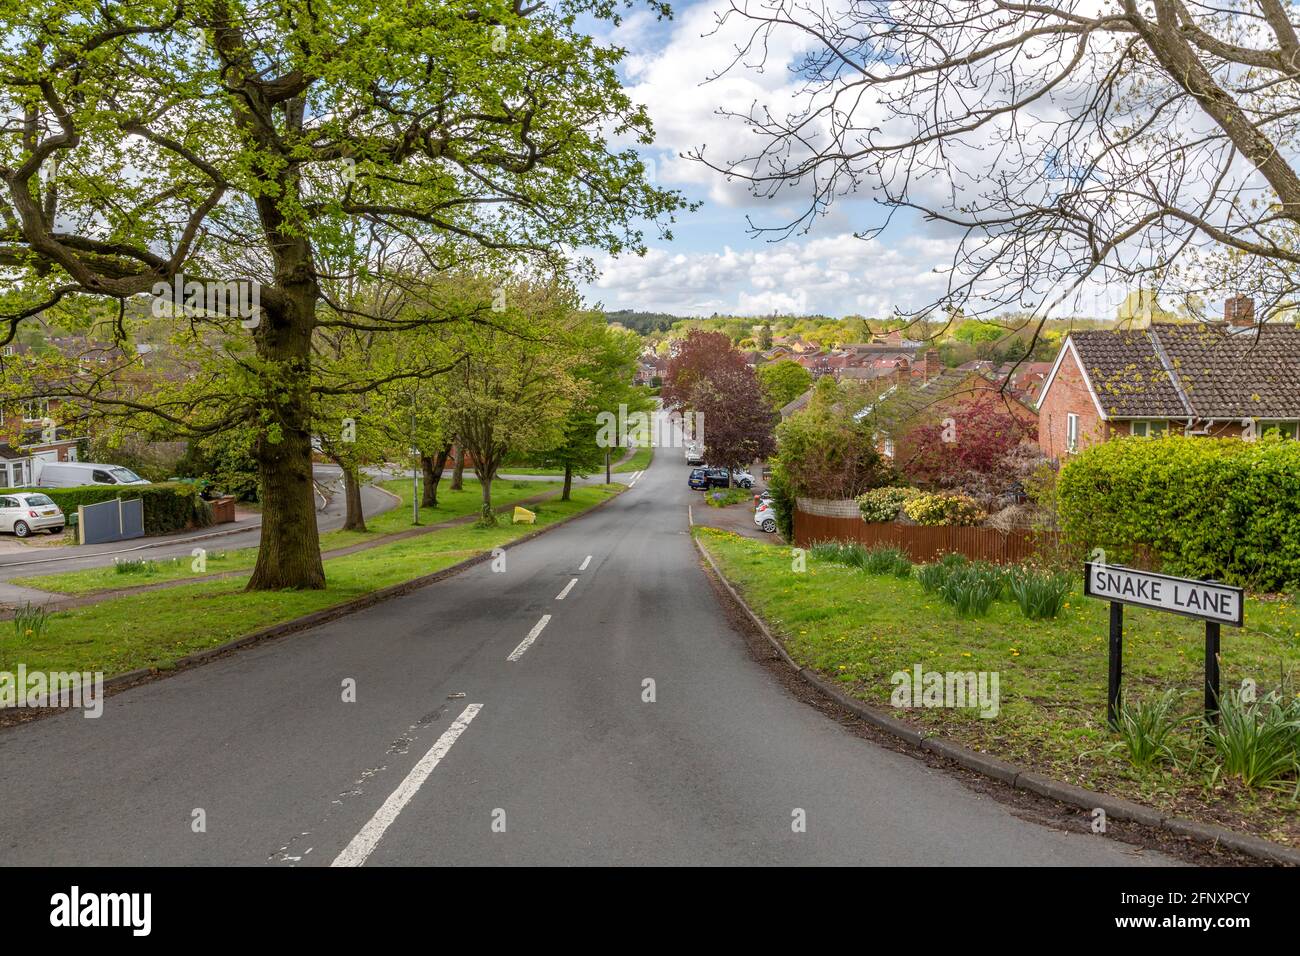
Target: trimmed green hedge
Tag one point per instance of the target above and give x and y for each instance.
(1218, 508)
(168, 506)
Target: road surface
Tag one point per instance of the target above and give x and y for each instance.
(500, 719)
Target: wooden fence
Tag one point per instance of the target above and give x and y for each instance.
(923, 543)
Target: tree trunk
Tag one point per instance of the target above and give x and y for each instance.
(568, 482)
(489, 516)
(288, 555)
(429, 496)
(431, 483)
(458, 473)
(355, 519)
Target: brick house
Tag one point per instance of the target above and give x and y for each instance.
(1231, 379)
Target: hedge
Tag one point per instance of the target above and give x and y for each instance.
(1217, 508)
(168, 506)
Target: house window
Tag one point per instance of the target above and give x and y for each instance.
(1072, 432)
(1286, 429)
(1150, 429)
(38, 409)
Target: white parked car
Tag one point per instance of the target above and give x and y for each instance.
(765, 517)
(75, 474)
(742, 479)
(24, 513)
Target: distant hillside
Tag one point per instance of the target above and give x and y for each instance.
(643, 322)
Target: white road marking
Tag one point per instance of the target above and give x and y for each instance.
(585, 561)
(364, 843)
(690, 515)
(518, 652)
(567, 588)
(635, 478)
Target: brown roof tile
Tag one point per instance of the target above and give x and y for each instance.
(1194, 370)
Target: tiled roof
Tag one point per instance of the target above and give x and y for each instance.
(796, 404)
(1194, 370)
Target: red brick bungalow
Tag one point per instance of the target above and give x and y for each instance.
(1216, 379)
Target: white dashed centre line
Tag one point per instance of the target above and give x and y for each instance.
(585, 561)
(567, 588)
(518, 652)
(364, 843)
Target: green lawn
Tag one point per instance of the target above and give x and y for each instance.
(860, 629)
(451, 504)
(640, 459)
(154, 629)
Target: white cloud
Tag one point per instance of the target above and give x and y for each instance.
(835, 275)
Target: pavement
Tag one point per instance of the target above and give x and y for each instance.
(589, 704)
(226, 537)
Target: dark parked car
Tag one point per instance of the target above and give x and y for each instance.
(703, 479)
(719, 477)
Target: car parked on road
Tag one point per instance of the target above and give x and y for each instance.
(765, 517)
(22, 514)
(698, 480)
(742, 478)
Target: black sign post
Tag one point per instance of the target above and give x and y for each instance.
(1215, 604)
(1116, 662)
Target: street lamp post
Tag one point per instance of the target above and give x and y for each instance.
(415, 469)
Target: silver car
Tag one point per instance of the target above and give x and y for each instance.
(25, 513)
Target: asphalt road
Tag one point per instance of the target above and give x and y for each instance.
(462, 728)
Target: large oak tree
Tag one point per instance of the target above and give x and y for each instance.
(224, 141)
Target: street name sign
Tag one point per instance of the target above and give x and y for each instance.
(1201, 599)
(1215, 604)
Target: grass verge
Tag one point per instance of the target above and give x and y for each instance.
(155, 629)
(132, 573)
(860, 629)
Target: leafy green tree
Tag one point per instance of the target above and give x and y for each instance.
(604, 381)
(236, 147)
(782, 382)
(825, 451)
(511, 393)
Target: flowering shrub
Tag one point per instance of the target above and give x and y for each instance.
(883, 504)
(941, 509)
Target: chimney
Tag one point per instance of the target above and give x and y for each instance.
(902, 372)
(1239, 311)
(931, 363)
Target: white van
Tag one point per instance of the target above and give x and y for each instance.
(74, 474)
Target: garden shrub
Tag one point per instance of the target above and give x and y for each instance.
(936, 508)
(883, 504)
(1218, 508)
(783, 502)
